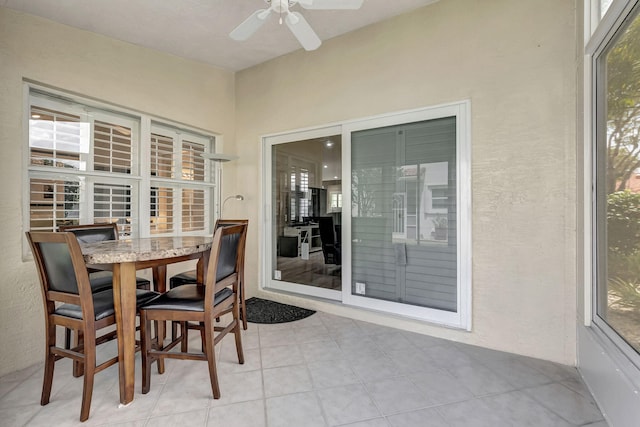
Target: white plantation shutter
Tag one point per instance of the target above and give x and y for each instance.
(53, 202)
(192, 162)
(112, 203)
(162, 164)
(193, 210)
(112, 148)
(57, 139)
(161, 211)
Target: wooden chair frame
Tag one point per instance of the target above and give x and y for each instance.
(207, 318)
(108, 226)
(241, 291)
(87, 327)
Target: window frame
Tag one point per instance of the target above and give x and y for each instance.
(599, 31)
(139, 177)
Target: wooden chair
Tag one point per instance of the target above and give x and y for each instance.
(189, 277)
(202, 304)
(100, 280)
(70, 302)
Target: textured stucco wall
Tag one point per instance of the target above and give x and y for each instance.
(516, 62)
(94, 66)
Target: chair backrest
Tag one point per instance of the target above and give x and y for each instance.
(227, 258)
(61, 268)
(226, 261)
(91, 233)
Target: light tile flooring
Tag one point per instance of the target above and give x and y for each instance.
(324, 370)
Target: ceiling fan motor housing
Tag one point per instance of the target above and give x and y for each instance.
(280, 6)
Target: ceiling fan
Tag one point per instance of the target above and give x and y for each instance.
(294, 20)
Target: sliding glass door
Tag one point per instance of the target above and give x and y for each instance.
(389, 230)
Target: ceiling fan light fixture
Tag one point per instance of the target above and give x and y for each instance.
(294, 20)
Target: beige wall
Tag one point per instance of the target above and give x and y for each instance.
(516, 62)
(98, 67)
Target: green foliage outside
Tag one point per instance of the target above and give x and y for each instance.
(623, 222)
(623, 232)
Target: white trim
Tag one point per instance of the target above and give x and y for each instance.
(308, 290)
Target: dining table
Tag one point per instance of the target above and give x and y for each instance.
(124, 257)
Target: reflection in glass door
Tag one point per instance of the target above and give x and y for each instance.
(306, 194)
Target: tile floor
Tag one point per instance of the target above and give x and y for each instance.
(324, 370)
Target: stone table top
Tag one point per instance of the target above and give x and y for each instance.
(143, 249)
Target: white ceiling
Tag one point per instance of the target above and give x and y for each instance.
(198, 29)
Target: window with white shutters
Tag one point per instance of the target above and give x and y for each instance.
(180, 194)
(84, 167)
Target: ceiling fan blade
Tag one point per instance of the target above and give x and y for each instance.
(250, 25)
(303, 31)
(331, 4)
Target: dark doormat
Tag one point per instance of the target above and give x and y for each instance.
(264, 311)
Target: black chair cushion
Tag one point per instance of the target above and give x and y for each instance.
(187, 297)
(103, 280)
(103, 304)
(186, 278)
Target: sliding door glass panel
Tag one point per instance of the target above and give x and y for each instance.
(303, 172)
(617, 208)
(403, 209)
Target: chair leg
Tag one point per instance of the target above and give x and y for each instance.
(48, 365)
(243, 310)
(160, 333)
(184, 338)
(211, 357)
(78, 368)
(89, 373)
(145, 339)
(238, 333)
